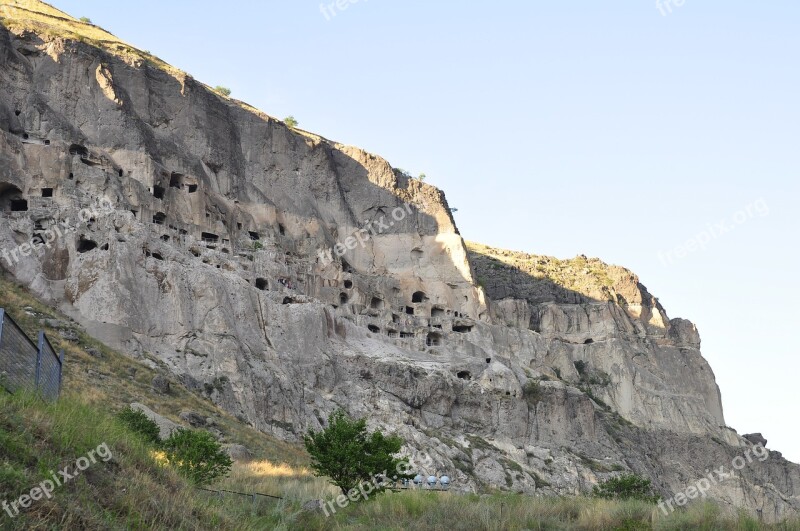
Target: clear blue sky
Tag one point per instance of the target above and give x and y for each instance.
(560, 128)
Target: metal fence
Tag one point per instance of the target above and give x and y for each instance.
(28, 365)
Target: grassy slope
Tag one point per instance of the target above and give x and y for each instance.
(134, 491)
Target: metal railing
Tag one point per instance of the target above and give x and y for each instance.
(28, 365)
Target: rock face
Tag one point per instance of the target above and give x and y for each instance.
(283, 275)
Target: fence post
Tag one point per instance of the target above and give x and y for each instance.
(2, 320)
(39, 358)
(60, 371)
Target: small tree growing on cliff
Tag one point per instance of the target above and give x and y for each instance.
(291, 122)
(225, 91)
(349, 455)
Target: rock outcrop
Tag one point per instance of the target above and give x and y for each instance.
(283, 275)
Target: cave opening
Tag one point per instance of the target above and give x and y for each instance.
(85, 245)
(434, 339)
(262, 284)
(419, 296)
(76, 149)
(176, 180)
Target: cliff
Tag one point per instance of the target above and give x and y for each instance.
(282, 275)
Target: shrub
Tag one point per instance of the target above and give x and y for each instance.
(139, 423)
(422, 177)
(87, 20)
(291, 122)
(197, 455)
(532, 391)
(225, 91)
(349, 455)
(626, 487)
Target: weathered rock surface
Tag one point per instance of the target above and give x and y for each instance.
(190, 228)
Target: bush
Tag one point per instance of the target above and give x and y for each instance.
(626, 487)
(291, 122)
(349, 455)
(86, 20)
(197, 455)
(225, 91)
(139, 423)
(532, 391)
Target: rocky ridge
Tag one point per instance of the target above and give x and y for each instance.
(218, 257)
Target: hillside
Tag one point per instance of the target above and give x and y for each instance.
(274, 276)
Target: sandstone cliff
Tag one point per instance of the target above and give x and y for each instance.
(219, 258)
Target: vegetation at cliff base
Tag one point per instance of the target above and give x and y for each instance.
(626, 487)
(350, 455)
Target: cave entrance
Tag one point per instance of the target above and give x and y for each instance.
(76, 149)
(262, 284)
(434, 339)
(419, 296)
(11, 198)
(85, 245)
(159, 218)
(176, 180)
(209, 237)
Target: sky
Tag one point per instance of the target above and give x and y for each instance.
(663, 137)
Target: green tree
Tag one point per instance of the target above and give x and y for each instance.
(86, 20)
(422, 177)
(627, 487)
(291, 122)
(349, 455)
(197, 455)
(225, 91)
(139, 423)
